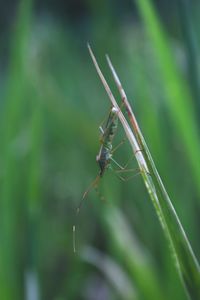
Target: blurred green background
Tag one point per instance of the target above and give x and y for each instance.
(52, 103)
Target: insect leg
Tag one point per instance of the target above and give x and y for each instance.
(103, 121)
(125, 166)
(128, 178)
(119, 145)
(101, 129)
(135, 172)
(92, 184)
(74, 238)
(124, 170)
(116, 163)
(117, 173)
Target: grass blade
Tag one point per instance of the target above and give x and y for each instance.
(12, 252)
(186, 262)
(112, 271)
(176, 232)
(176, 88)
(138, 261)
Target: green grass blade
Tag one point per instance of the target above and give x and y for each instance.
(138, 261)
(186, 262)
(11, 217)
(191, 47)
(112, 271)
(176, 89)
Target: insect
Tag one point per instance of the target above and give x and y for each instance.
(104, 156)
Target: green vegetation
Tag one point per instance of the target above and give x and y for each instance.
(185, 261)
(52, 104)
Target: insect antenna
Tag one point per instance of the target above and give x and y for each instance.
(92, 184)
(74, 238)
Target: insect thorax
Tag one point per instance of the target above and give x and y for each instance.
(103, 158)
(105, 154)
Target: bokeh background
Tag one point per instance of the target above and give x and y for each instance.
(52, 103)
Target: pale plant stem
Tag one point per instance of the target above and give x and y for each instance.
(185, 259)
(133, 142)
(143, 144)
